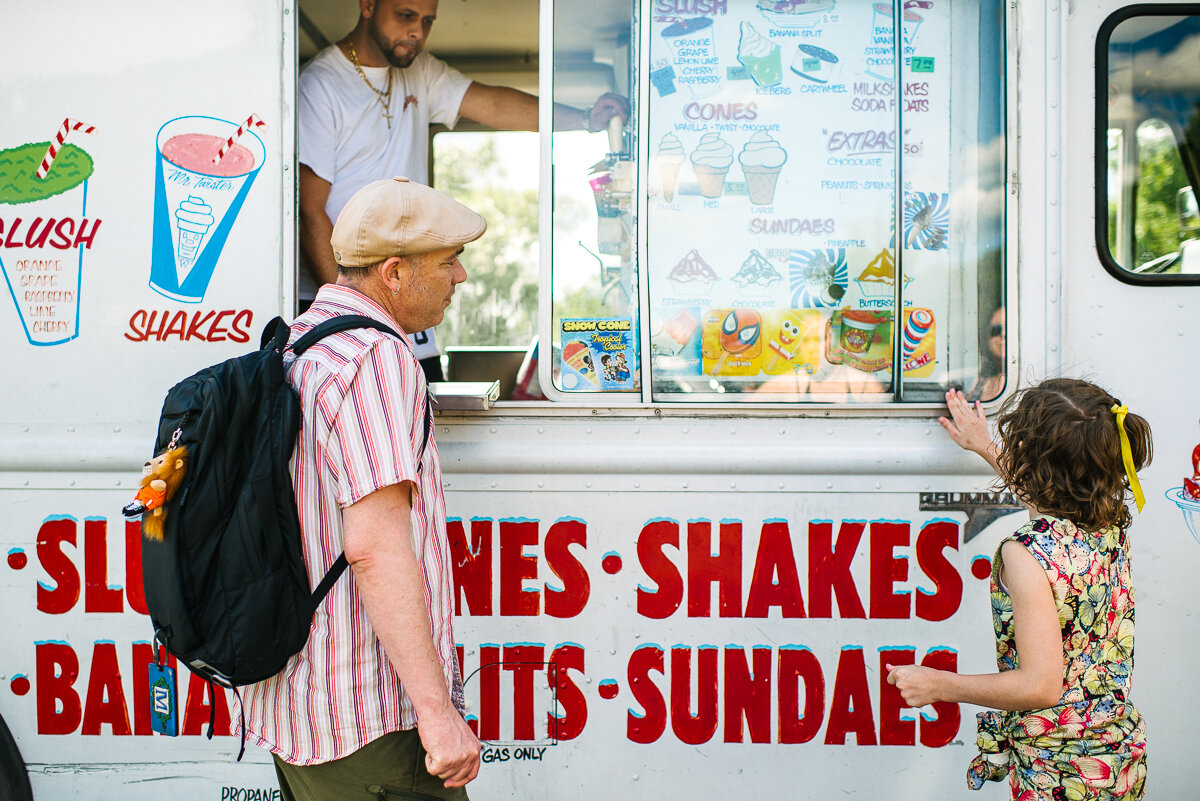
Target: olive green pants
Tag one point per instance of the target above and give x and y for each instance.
(391, 768)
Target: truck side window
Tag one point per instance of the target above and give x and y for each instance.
(1148, 127)
(804, 170)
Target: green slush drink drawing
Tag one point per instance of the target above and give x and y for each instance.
(43, 233)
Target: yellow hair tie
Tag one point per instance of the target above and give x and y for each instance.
(1127, 457)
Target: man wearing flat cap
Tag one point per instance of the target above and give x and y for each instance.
(373, 703)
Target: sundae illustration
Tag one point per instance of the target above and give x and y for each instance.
(794, 13)
(756, 275)
(692, 275)
(710, 162)
(926, 220)
(761, 158)
(878, 280)
(46, 182)
(206, 167)
(1187, 497)
(760, 56)
(814, 64)
(670, 157)
(818, 278)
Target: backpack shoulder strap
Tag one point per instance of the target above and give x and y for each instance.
(343, 322)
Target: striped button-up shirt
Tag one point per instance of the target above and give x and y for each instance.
(362, 397)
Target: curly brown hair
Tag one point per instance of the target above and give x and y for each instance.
(1061, 452)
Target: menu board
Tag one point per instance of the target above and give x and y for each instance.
(772, 238)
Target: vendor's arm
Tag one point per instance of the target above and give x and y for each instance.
(508, 109)
(316, 228)
(1037, 683)
(379, 550)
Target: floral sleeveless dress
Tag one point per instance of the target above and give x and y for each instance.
(1092, 744)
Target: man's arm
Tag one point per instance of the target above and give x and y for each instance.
(379, 550)
(508, 109)
(315, 226)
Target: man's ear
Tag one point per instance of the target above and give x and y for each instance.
(395, 272)
(366, 8)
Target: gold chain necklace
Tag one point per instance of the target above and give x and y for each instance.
(384, 97)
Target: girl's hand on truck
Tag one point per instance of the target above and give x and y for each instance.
(967, 426)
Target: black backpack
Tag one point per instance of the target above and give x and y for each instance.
(226, 587)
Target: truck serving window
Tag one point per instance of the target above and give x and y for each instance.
(791, 175)
(1148, 144)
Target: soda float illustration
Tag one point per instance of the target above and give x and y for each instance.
(205, 169)
(45, 231)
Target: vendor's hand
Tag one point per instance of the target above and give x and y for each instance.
(607, 106)
(918, 685)
(967, 426)
(451, 748)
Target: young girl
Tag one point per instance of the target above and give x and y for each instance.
(1062, 599)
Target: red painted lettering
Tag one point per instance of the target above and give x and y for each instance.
(723, 567)
(523, 661)
(516, 567)
(700, 727)
(98, 596)
(796, 665)
(648, 726)
(472, 565)
(894, 730)
(134, 591)
(829, 569)
(574, 716)
(747, 695)
(58, 707)
(105, 695)
(850, 706)
(933, 540)
(886, 570)
(775, 581)
(53, 534)
(203, 703)
(941, 730)
(663, 601)
(577, 587)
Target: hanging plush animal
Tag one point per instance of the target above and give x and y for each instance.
(161, 476)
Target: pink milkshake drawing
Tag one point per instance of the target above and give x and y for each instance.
(43, 214)
(205, 169)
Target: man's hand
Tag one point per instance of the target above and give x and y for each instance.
(918, 685)
(451, 748)
(607, 106)
(968, 426)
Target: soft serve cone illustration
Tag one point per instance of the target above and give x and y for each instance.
(760, 56)
(762, 158)
(670, 157)
(710, 162)
(193, 218)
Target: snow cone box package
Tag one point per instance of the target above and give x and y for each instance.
(44, 232)
(598, 354)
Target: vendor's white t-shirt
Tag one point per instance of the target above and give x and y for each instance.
(344, 138)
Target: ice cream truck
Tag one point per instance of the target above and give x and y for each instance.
(702, 499)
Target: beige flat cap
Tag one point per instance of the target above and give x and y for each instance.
(399, 217)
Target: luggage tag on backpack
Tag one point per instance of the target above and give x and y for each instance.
(164, 707)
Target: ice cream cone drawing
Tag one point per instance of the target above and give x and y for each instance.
(670, 157)
(193, 218)
(710, 162)
(760, 56)
(878, 280)
(578, 357)
(762, 159)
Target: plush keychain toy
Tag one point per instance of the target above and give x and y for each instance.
(161, 476)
